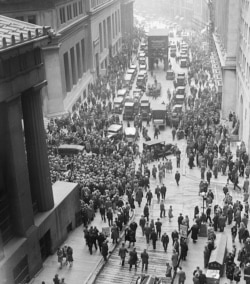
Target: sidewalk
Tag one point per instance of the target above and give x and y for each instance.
(84, 264)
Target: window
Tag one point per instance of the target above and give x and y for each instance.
(116, 25)
(78, 58)
(66, 71)
(32, 19)
(20, 18)
(119, 22)
(83, 55)
(75, 11)
(105, 34)
(100, 37)
(69, 12)
(80, 7)
(62, 15)
(113, 25)
(73, 65)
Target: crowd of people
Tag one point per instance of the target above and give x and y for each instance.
(106, 172)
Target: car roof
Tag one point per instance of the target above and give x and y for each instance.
(130, 131)
(122, 91)
(115, 127)
(71, 146)
(153, 142)
(129, 104)
(118, 100)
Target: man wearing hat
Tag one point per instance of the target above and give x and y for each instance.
(247, 273)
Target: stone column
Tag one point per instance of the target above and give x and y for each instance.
(36, 147)
(17, 177)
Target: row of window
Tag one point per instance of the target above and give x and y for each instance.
(74, 64)
(28, 18)
(106, 32)
(20, 63)
(244, 67)
(72, 10)
(96, 3)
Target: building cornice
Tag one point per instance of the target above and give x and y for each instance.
(226, 61)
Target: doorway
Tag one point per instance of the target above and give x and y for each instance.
(45, 245)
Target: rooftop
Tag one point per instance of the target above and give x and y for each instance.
(15, 32)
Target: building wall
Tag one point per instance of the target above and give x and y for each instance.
(243, 73)
(103, 44)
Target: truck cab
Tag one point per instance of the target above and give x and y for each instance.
(118, 105)
(128, 113)
(159, 115)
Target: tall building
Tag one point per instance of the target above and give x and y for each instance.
(86, 32)
(242, 106)
(35, 217)
(226, 15)
(127, 18)
(201, 15)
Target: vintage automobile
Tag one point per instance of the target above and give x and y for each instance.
(128, 81)
(143, 67)
(179, 99)
(130, 134)
(154, 90)
(128, 113)
(159, 115)
(170, 75)
(145, 108)
(115, 132)
(152, 279)
(181, 80)
(160, 146)
(141, 81)
(118, 105)
(178, 108)
(69, 149)
(122, 93)
(133, 73)
(183, 63)
(181, 90)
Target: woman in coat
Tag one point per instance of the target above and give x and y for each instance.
(139, 196)
(105, 249)
(194, 232)
(174, 259)
(184, 250)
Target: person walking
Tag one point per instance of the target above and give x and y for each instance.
(177, 177)
(149, 197)
(60, 257)
(180, 219)
(153, 237)
(194, 232)
(158, 225)
(162, 209)
(147, 232)
(142, 223)
(182, 276)
(174, 259)
(122, 253)
(139, 196)
(165, 241)
(146, 212)
(144, 259)
(133, 258)
(70, 256)
(105, 250)
(158, 193)
(170, 213)
(163, 191)
(168, 271)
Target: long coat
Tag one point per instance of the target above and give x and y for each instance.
(194, 232)
(133, 258)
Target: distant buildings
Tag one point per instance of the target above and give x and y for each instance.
(86, 33)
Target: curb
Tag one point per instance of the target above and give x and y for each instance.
(101, 264)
